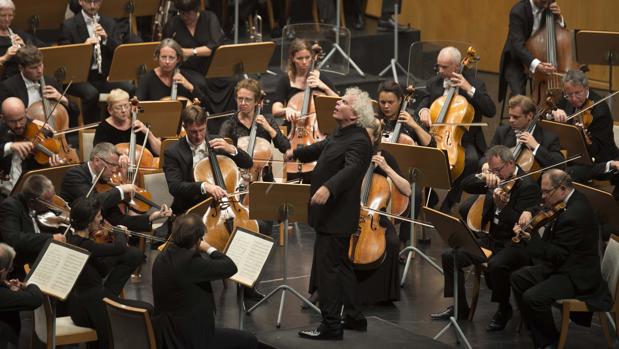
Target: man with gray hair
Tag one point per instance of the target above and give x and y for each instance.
(334, 211)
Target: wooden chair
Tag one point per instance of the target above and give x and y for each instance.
(478, 269)
(131, 327)
(164, 145)
(66, 332)
(86, 138)
(610, 272)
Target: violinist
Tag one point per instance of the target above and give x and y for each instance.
(566, 260)
(20, 228)
(474, 90)
(158, 83)
(182, 156)
(106, 272)
(15, 150)
(502, 207)
(79, 181)
(525, 18)
(117, 127)
(608, 169)
(597, 123)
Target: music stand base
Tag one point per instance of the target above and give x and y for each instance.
(394, 65)
(336, 47)
(283, 288)
(410, 249)
(459, 334)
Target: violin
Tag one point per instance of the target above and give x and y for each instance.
(45, 144)
(396, 135)
(58, 214)
(304, 130)
(539, 220)
(107, 232)
(451, 111)
(141, 202)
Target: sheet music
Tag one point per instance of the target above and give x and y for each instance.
(57, 269)
(249, 252)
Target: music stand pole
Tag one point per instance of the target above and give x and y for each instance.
(336, 46)
(236, 21)
(394, 64)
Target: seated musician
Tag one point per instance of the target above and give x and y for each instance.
(15, 297)
(157, 83)
(474, 90)
(182, 157)
(16, 151)
(608, 169)
(577, 96)
(102, 33)
(79, 181)
(567, 264)
(116, 128)
(20, 228)
(184, 303)
(109, 267)
(501, 209)
(27, 85)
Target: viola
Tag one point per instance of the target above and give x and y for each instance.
(539, 220)
(475, 215)
(142, 198)
(45, 144)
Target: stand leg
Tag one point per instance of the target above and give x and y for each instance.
(236, 21)
(241, 293)
(393, 63)
(610, 78)
(52, 302)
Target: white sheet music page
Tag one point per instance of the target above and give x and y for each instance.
(249, 252)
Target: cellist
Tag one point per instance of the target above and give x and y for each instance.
(474, 90)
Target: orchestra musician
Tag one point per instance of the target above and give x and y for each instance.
(608, 169)
(82, 29)
(157, 83)
(525, 18)
(599, 129)
(79, 180)
(182, 156)
(15, 150)
(15, 296)
(502, 208)
(117, 127)
(474, 90)
(19, 227)
(566, 260)
(334, 211)
(184, 303)
(107, 270)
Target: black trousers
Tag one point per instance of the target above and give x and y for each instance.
(471, 163)
(501, 266)
(516, 78)
(228, 338)
(336, 279)
(535, 291)
(121, 267)
(463, 260)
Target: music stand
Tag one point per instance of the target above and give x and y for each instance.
(130, 61)
(393, 63)
(55, 174)
(336, 46)
(163, 117)
(250, 58)
(455, 233)
(36, 15)
(129, 8)
(571, 139)
(426, 167)
(598, 47)
(67, 62)
(282, 202)
(324, 106)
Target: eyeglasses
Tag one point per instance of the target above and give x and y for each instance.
(168, 58)
(114, 165)
(244, 100)
(548, 191)
(575, 94)
(122, 107)
(497, 170)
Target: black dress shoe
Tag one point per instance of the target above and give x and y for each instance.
(350, 323)
(360, 22)
(388, 24)
(499, 320)
(323, 333)
(449, 312)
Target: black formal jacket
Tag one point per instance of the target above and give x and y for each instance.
(74, 31)
(603, 147)
(343, 157)
(11, 67)
(481, 102)
(524, 194)
(184, 304)
(569, 246)
(27, 164)
(77, 182)
(549, 151)
(178, 168)
(11, 304)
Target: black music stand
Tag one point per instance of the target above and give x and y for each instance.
(236, 59)
(426, 167)
(571, 139)
(455, 233)
(282, 202)
(600, 48)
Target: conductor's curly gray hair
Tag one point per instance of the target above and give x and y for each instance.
(361, 104)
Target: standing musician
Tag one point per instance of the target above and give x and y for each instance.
(79, 180)
(184, 303)
(106, 272)
(474, 90)
(525, 18)
(502, 208)
(117, 127)
(19, 227)
(566, 260)
(158, 83)
(334, 210)
(182, 156)
(91, 28)
(15, 150)
(597, 125)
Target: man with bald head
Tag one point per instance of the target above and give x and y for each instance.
(16, 151)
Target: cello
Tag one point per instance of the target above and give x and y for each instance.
(396, 135)
(451, 111)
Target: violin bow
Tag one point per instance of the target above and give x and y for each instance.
(94, 184)
(538, 171)
(406, 219)
(47, 117)
(591, 106)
